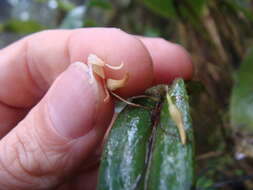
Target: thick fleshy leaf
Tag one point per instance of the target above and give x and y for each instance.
(171, 165)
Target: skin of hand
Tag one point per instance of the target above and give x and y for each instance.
(53, 118)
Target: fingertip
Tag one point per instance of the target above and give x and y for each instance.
(180, 63)
(170, 60)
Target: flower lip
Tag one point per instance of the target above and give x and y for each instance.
(96, 65)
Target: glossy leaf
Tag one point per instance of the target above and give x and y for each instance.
(144, 149)
(124, 157)
(172, 163)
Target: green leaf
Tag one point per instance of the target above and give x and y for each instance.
(171, 165)
(124, 157)
(241, 105)
(74, 18)
(22, 27)
(164, 8)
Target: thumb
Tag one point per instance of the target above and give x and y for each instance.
(58, 135)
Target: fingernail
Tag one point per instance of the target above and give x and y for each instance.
(72, 101)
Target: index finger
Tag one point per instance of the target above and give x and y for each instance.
(170, 60)
(28, 67)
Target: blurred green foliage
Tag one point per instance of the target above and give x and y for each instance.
(164, 8)
(74, 18)
(61, 4)
(65, 5)
(22, 27)
(204, 182)
(188, 8)
(100, 3)
(174, 9)
(71, 16)
(241, 108)
(242, 6)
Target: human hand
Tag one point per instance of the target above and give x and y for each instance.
(52, 120)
